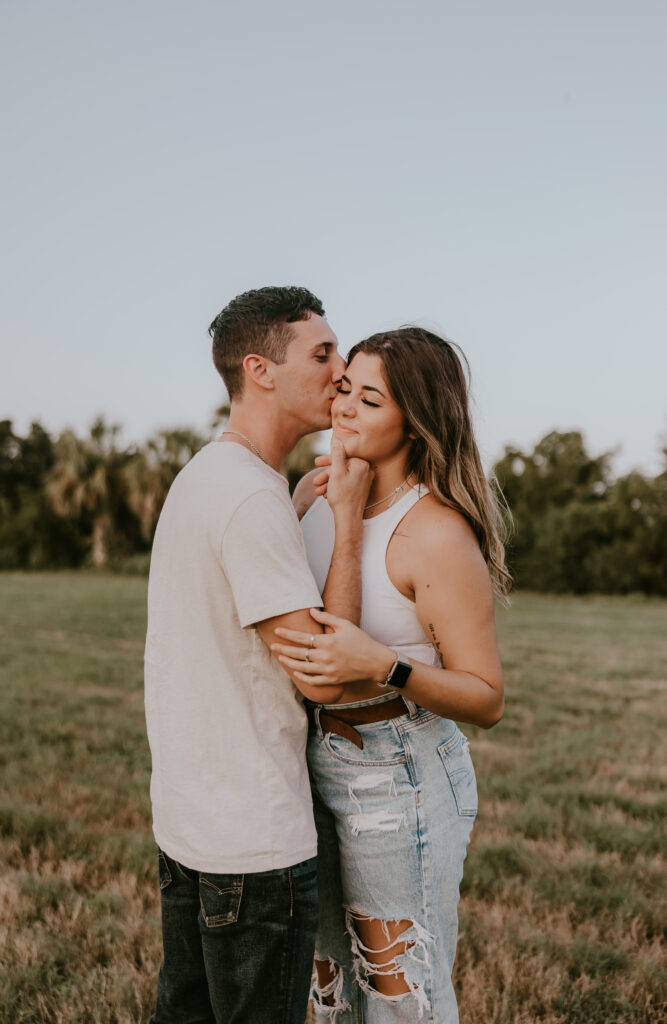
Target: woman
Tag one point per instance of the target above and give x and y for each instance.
(393, 783)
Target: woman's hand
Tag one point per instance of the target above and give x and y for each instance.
(349, 481)
(345, 655)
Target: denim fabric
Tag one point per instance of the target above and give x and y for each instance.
(238, 949)
(394, 822)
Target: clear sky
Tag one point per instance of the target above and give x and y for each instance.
(496, 171)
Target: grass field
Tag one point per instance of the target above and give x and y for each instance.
(563, 895)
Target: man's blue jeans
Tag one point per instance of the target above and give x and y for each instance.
(238, 949)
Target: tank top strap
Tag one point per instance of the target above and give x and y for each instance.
(383, 525)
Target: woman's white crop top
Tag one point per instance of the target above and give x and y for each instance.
(386, 614)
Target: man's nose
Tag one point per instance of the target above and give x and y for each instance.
(338, 367)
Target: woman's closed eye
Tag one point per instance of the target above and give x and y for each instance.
(373, 405)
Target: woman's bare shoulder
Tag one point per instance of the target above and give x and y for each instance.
(304, 493)
(434, 520)
(437, 534)
(443, 543)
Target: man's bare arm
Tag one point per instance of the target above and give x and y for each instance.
(301, 620)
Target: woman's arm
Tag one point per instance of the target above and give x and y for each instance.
(454, 603)
(347, 482)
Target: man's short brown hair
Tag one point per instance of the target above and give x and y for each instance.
(256, 322)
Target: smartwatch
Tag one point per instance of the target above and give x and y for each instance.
(398, 674)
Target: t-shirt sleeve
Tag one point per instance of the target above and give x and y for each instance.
(264, 558)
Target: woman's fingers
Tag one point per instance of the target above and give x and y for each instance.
(293, 652)
(326, 618)
(312, 680)
(296, 636)
(309, 668)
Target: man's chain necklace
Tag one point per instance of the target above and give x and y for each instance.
(252, 445)
(388, 496)
(259, 455)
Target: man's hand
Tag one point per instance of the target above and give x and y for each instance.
(349, 481)
(345, 655)
(321, 481)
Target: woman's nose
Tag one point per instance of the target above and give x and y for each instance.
(346, 407)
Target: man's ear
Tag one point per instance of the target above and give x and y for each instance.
(259, 370)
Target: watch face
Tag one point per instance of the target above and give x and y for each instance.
(400, 675)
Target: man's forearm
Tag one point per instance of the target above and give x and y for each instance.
(342, 591)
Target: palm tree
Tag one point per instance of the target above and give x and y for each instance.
(86, 483)
(150, 472)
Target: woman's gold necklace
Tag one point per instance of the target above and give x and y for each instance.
(392, 495)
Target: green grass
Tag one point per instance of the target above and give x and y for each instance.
(563, 894)
(562, 901)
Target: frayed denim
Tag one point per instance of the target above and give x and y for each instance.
(394, 822)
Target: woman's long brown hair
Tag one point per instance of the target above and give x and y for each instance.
(426, 378)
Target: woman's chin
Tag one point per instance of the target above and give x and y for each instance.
(350, 445)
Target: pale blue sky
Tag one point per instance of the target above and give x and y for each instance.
(494, 170)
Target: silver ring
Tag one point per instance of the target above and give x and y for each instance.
(306, 658)
(312, 641)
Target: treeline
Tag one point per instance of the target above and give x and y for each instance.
(577, 529)
(71, 501)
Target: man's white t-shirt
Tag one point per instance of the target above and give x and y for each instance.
(226, 727)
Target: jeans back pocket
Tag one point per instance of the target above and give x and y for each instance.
(220, 898)
(164, 873)
(455, 754)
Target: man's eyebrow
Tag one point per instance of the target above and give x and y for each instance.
(364, 387)
(328, 345)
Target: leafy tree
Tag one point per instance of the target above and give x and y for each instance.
(577, 529)
(31, 535)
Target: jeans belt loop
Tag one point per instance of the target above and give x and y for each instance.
(412, 707)
(316, 715)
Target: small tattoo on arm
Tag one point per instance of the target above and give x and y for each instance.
(436, 644)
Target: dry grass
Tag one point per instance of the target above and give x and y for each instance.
(561, 911)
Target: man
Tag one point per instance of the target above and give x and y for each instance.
(232, 812)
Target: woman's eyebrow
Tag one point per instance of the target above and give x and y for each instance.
(364, 387)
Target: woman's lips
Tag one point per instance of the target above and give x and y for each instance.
(344, 430)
